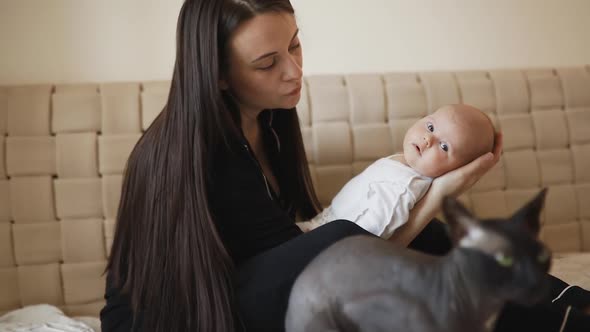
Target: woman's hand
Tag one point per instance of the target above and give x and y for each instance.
(453, 183)
(456, 182)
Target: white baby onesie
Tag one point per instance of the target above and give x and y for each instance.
(379, 199)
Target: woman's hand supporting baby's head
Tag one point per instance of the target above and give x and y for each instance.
(456, 182)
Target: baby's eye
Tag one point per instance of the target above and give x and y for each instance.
(444, 146)
(504, 260)
(430, 127)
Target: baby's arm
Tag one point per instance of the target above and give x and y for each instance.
(322, 218)
(306, 226)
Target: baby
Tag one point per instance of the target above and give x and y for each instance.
(380, 198)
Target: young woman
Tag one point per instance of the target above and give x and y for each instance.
(205, 237)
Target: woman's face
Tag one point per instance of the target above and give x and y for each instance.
(265, 63)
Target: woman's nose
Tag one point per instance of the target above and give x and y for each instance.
(292, 69)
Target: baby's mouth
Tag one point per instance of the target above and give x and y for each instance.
(418, 149)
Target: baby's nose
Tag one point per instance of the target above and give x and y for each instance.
(427, 138)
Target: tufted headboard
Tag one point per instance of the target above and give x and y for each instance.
(63, 149)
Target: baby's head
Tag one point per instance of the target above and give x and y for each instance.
(451, 137)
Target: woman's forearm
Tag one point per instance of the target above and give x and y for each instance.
(426, 209)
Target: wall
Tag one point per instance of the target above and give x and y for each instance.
(126, 40)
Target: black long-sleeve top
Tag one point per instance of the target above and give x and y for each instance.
(250, 217)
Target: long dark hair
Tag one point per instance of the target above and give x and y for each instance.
(167, 255)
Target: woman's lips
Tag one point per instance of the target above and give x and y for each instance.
(295, 91)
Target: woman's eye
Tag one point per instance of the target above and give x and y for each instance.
(430, 127)
(504, 260)
(292, 48)
(268, 67)
(444, 146)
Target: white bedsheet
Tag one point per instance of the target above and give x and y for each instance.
(40, 318)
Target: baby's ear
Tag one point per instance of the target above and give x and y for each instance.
(461, 222)
(529, 216)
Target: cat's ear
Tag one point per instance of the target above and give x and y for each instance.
(461, 222)
(529, 216)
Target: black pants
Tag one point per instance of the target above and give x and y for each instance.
(265, 281)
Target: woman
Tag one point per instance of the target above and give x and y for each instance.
(205, 237)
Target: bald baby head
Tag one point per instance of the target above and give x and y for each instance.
(475, 128)
(451, 137)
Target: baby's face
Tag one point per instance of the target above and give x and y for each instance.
(447, 139)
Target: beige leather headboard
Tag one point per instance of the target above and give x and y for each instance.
(544, 114)
(64, 148)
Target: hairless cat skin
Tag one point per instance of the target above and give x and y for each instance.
(363, 283)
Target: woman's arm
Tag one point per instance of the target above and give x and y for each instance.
(453, 183)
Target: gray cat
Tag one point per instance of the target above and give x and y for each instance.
(363, 283)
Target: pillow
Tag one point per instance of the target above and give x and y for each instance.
(40, 318)
(93, 322)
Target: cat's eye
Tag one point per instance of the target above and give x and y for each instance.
(543, 256)
(504, 260)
